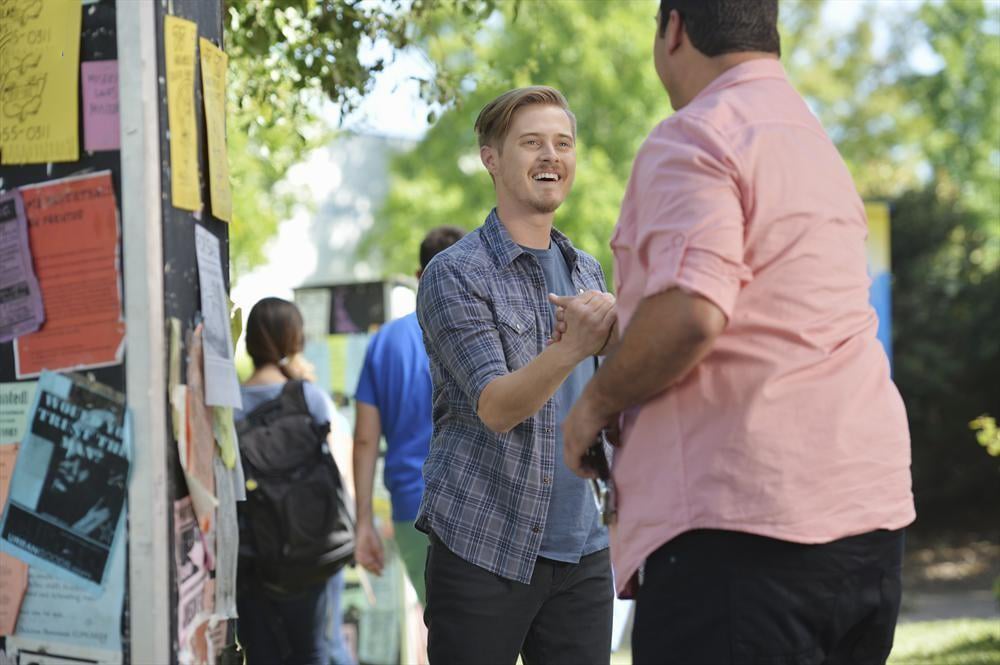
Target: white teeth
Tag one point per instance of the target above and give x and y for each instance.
(545, 176)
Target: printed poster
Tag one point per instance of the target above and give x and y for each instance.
(222, 388)
(13, 572)
(189, 563)
(39, 65)
(16, 399)
(20, 297)
(69, 620)
(73, 233)
(67, 496)
(101, 120)
(213, 81)
(197, 449)
(180, 43)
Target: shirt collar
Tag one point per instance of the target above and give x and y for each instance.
(751, 70)
(505, 250)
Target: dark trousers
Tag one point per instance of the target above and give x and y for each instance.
(475, 616)
(288, 630)
(725, 597)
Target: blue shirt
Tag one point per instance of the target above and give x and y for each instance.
(484, 310)
(573, 528)
(320, 405)
(396, 379)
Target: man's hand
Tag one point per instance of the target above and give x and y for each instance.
(368, 548)
(584, 322)
(580, 431)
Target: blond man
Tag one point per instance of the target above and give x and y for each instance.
(518, 561)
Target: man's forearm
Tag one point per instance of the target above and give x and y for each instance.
(367, 433)
(365, 454)
(511, 399)
(667, 337)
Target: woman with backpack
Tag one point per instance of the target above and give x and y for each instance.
(282, 587)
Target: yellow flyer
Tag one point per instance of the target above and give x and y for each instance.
(213, 80)
(39, 76)
(180, 42)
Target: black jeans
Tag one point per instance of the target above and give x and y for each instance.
(725, 597)
(475, 616)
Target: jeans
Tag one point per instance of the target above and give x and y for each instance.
(723, 597)
(288, 630)
(475, 616)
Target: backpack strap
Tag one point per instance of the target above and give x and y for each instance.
(293, 397)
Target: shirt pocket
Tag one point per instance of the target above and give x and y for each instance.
(517, 335)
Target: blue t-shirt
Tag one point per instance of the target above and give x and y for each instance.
(572, 528)
(396, 379)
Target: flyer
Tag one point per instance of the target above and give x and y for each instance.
(13, 572)
(189, 564)
(69, 619)
(68, 492)
(198, 448)
(16, 400)
(20, 297)
(227, 543)
(222, 388)
(180, 43)
(101, 119)
(73, 234)
(213, 82)
(39, 56)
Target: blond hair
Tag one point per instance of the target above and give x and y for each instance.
(495, 119)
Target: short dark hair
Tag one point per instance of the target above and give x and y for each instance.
(437, 240)
(726, 26)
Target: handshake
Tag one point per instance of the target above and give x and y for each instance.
(585, 322)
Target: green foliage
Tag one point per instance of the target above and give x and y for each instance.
(289, 59)
(946, 336)
(955, 642)
(597, 53)
(987, 434)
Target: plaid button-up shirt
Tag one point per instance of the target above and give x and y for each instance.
(484, 311)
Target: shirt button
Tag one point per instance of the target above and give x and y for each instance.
(548, 430)
(678, 240)
(546, 480)
(536, 529)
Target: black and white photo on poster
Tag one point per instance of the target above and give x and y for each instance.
(68, 491)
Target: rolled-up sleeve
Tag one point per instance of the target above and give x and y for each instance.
(690, 221)
(459, 329)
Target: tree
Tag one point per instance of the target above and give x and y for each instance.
(290, 59)
(580, 48)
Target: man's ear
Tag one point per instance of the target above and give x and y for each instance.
(675, 31)
(488, 155)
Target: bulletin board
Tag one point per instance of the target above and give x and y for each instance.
(184, 232)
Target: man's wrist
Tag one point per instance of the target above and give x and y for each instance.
(595, 402)
(565, 356)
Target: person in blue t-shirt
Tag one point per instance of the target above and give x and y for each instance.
(394, 398)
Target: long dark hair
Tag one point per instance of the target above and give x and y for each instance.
(274, 333)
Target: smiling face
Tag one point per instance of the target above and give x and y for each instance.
(534, 170)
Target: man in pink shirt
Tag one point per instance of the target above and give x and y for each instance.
(764, 475)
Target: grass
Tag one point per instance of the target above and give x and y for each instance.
(955, 642)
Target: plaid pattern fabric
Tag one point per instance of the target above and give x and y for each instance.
(484, 312)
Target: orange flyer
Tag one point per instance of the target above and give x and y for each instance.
(73, 235)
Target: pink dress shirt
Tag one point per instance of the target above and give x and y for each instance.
(791, 427)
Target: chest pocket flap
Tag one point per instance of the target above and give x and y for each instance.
(517, 334)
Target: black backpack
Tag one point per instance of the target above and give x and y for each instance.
(296, 520)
